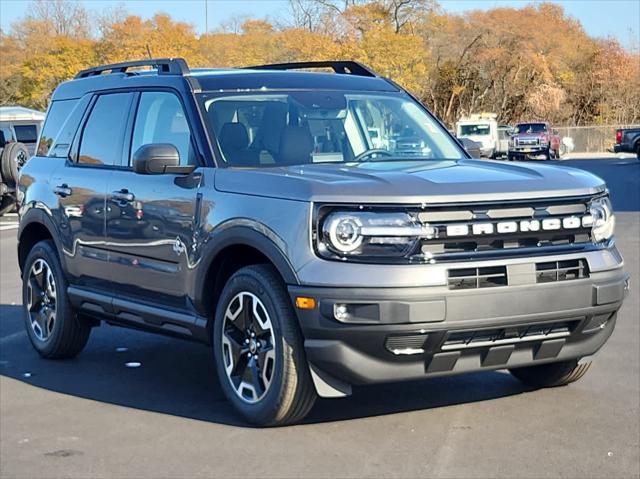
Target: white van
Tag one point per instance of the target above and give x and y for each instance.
(483, 128)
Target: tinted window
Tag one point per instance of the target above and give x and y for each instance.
(26, 133)
(531, 128)
(103, 134)
(161, 119)
(58, 113)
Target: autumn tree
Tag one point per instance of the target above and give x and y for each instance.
(533, 62)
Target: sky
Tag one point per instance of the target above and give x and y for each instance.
(600, 18)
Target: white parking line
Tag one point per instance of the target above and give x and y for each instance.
(8, 226)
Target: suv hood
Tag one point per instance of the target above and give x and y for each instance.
(409, 181)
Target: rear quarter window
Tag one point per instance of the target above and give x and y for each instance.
(56, 117)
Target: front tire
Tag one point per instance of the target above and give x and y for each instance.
(259, 351)
(551, 375)
(54, 328)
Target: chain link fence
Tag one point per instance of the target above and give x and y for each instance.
(589, 139)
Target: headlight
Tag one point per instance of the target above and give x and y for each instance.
(603, 219)
(370, 234)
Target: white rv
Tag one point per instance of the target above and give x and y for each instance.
(483, 128)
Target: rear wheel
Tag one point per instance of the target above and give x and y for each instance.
(258, 349)
(551, 375)
(638, 150)
(7, 204)
(52, 324)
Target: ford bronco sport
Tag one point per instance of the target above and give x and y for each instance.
(319, 230)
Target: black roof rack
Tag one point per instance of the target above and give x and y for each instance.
(165, 66)
(341, 67)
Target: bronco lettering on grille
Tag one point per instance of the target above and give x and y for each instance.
(506, 227)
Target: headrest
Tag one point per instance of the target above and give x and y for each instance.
(274, 120)
(233, 136)
(296, 145)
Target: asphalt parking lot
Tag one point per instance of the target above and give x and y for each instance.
(94, 417)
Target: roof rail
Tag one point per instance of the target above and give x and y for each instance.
(341, 67)
(165, 66)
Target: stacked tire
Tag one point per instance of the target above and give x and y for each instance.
(13, 157)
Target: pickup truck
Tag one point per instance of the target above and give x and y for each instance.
(628, 141)
(533, 139)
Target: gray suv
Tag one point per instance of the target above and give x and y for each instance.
(320, 230)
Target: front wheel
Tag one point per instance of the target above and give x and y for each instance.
(54, 328)
(258, 349)
(551, 375)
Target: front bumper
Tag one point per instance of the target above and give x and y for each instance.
(395, 334)
(529, 151)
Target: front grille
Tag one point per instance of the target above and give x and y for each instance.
(473, 278)
(508, 335)
(527, 141)
(463, 232)
(407, 344)
(552, 271)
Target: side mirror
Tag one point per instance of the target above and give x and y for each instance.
(159, 159)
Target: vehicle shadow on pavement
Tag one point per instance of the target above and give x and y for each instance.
(178, 378)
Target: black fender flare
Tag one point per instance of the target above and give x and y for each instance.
(245, 233)
(39, 216)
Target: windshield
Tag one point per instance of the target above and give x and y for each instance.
(476, 130)
(530, 128)
(294, 128)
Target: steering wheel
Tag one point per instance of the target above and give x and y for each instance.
(366, 155)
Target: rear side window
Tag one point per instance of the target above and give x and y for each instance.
(57, 115)
(103, 134)
(26, 133)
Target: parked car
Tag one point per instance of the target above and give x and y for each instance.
(533, 140)
(472, 147)
(19, 129)
(483, 128)
(310, 253)
(628, 141)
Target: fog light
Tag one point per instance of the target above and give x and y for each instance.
(340, 312)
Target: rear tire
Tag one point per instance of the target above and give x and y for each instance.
(7, 204)
(259, 350)
(54, 328)
(638, 150)
(551, 375)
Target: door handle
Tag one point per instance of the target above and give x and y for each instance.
(62, 190)
(122, 195)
